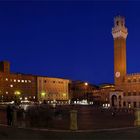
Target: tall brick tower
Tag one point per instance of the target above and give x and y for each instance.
(119, 32)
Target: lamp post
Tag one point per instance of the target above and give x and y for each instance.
(86, 84)
(43, 94)
(17, 94)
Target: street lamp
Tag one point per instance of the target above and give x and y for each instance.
(43, 94)
(17, 94)
(86, 84)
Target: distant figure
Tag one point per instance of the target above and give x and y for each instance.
(113, 114)
(44, 102)
(9, 115)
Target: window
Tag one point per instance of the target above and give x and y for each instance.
(14, 80)
(29, 81)
(134, 80)
(22, 81)
(25, 81)
(124, 104)
(119, 104)
(134, 93)
(129, 104)
(129, 93)
(18, 80)
(11, 85)
(6, 79)
(135, 104)
(129, 81)
(45, 81)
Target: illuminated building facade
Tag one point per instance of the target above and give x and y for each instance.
(83, 91)
(127, 85)
(53, 89)
(14, 84)
(104, 91)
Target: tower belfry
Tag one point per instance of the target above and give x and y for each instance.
(119, 32)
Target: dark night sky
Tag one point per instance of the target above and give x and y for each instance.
(67, 39)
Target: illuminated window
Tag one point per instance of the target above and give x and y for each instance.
(11, 85)
(14, 80)
(6, 92)
(29, 81)
(6, 79)
(22, 81)
(25, 81)
(18, 80)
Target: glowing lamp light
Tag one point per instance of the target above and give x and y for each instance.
(43, 94)
(64, 94)
(86, 84)
(17, 93)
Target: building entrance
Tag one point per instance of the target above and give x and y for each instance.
(114, 100)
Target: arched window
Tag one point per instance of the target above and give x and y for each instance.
(124, 103)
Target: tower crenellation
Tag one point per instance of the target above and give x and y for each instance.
(119, 29)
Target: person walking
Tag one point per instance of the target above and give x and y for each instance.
(9, 115)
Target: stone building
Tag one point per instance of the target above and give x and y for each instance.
(52, 89)
(83, 91)
(16, 85)
(104, 92)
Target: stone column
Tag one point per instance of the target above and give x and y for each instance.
(73, 120)
(137, 117)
